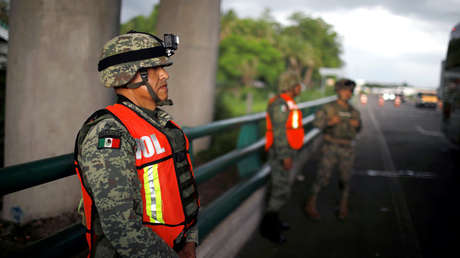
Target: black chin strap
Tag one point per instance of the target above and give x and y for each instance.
(145, 81)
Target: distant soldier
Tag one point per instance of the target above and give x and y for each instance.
(139, 192)
(340, 122)
(283, 137)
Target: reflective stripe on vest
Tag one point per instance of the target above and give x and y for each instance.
(295, 119)
(294, 128)
(152, 189)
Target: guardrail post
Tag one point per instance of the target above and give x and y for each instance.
(249, 134)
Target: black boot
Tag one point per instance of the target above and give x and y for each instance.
(282, 224)
(270, 228)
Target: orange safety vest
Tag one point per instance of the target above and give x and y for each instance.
(164, 206)
(294, 127)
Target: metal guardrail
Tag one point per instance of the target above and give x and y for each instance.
(316, 102)
(22, 176)
(210, 169)
(26, 175)
(214, 127)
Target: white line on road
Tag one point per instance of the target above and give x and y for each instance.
(399, 173)
(406, 226)
(428, 133)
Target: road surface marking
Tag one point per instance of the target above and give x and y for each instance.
(398, 173)
(406, 226)
(427, 132)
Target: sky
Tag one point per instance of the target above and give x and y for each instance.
(386, 41)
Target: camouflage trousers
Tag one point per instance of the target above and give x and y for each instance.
(279, 189)
(335, 155)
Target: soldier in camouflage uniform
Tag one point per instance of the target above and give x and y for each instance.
(280, 156)
(107, 169)
(340, 122)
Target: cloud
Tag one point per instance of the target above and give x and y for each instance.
(381, 45)
(420, 69)
(434, 10)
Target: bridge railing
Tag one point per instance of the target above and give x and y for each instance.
(71, 240)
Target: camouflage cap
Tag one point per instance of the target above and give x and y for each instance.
(288, 80)
(121, 73)
(345, 84)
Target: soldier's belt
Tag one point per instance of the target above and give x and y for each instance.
(339, 141)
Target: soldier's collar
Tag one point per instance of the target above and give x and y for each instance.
(121, 99)
(159, 116)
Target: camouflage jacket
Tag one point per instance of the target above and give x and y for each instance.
(279, 114)
(342, 130)
(111, 178)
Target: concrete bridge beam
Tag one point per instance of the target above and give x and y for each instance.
(193, 75)
(52, 86)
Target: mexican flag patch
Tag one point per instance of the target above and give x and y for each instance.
(108, 143)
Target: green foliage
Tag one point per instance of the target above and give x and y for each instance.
(320, 36)
(309, 44)
(142, 23)
(244, 59)
(247, 51)
(264, 27)
(232, 103)
(374, 85)
(4, 12)
(313, 94)
(248, 48)
(381, 85)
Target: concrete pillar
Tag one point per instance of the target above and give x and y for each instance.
(193, 76)
(52, 86)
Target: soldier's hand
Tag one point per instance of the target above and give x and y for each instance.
(354, 122)
(333, 120)
(287, 163)
(188, 251)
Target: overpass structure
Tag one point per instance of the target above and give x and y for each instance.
(53, 84)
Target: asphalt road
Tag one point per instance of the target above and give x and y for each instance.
(404, 194)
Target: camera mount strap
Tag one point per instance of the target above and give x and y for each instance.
(131, 56)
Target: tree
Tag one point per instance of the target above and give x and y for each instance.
(264, 27)
(299, 55)
(316, 45)
(242, 60)
(320, 35)
(4, 11)
(142, 23)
